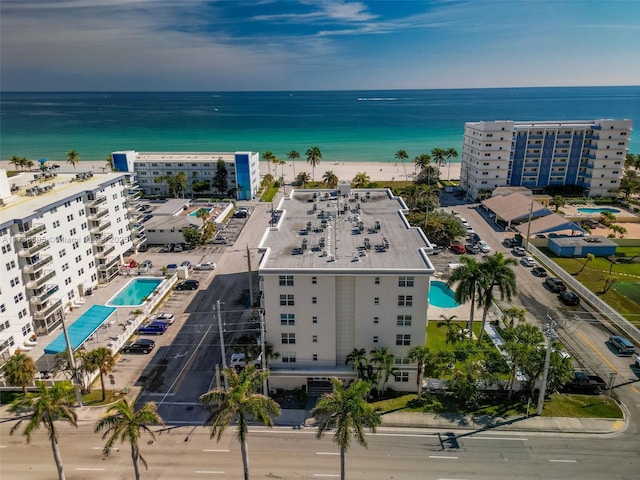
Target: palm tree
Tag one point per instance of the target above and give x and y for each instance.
(450, 153)
(101, 359)
(558, 201)
(497, 272)
(330, 178)
(422, 161)
(47, 405)
(303, 178)
(240, 401)
(454, 334)
(589, 258)
(20, 371)
(203, 214)
(468, 278)
(513, 314)
(268, 157)
(16, 161)
(275, 161)
(386, 365)
(28, 164)
(73, 157)
(402, 156)
(358, 359)
(109, 161)
(361, 180)
(347, 411)
(421, 355)
(126, 424)
(439, 156)
(292, 155)
(313, 158)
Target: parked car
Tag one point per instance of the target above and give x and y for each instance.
(146, 265)
(539, 272)
(178, 247)
(237, 361)
(637, 362)
(220, 241)
(455, 248)
(622, 345)
(142, 345)
(152, 328)
(172, 267)
(484, 246)
(186, 264)
(510, 242)
(519, 251)
(167, 318)
(464, 221)
(471, 248)
(583, 383)
(206, 266)
(528, 261)
(570, 299)
(555, 284)
(188, 285)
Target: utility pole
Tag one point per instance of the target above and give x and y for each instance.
(551, 335)
(72, 361)
(222, 350)
(526, 240)
(250, 278)
(263, 363)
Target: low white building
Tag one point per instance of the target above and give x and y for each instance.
(61, 235)
(200, 168)
(342, 272)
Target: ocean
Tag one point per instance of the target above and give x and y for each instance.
(346, 125)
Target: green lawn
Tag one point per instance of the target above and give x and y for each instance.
(581, 406)
(436, 336)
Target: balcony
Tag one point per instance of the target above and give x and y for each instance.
(98, 201)
(33, 230)
(101, 241)
(108, 263)
(133, 195)
(48, 291)
(591, 146)
(98, 215)
(34, 267)
(103, 253)
(137, 228)
(33, 246)
(101, 227)
(138, 238)
(38, 282)
(47, 309)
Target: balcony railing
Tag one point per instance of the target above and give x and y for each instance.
(98, 215)
(108, 263)
(98, 201)
(33, 246)
(133, 195)
(45, 310)
(101, 227)
(104, 240)
(50, 290)
(38, 282)
(33, 230)
(34, 267)
(105, 252)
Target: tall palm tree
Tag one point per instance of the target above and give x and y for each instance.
(450, 153)
(240, 401)
(109, 161)
(589, 258)
(402, 156)
(439, 156)
(73, 157)
(314, 155)
(268, 157)
(468, 278)
(386, 362)
(454, 334)
(16, 161)
(46, 406)
(330, 178)
(292, 155)
(275, 161)
(203, 214)
(346, 410)
(421, 355)
(497, 272)
(20, 371)
(123, 422)
(359, 361)
(513, 314)
(422, 161)
(303, 178)
(101, 359)
(361, 180)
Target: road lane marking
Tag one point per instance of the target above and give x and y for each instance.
(474, 437)
(443, 457)
(211, 450)
(562, 461)
(418, 435)
(213, 472)
(327, 453)
(90, 469)
(593, 347)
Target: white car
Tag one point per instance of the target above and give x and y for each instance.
(464, 221)
(206, 266)
(528, 261)
(484, 246)
(167, 318)
(519, 251)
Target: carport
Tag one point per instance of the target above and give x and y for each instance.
(510, 208)
(548, 224)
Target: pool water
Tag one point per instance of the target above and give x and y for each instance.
(134, 293)
(195, 212)
(441, 296)
(598, 210)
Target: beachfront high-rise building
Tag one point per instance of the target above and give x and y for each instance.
(152, 169)
(589, 154)
(342, 270)
(61, 235)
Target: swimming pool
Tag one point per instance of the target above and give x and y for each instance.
(134, 293)
(441, 296)
(598, 210)
(195, 212)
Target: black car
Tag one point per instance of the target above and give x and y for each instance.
(539, 272)
(569, 298)
(142, 345)
(555, 284)
(188, 285)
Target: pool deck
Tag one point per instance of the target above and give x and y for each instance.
(121, 290)
(462, 312)
(572, 211)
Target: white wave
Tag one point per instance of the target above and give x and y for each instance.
(377, 99)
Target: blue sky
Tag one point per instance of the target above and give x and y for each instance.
(202, 45)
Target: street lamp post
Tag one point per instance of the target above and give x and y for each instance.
(72, 360)
(222, 349)
(551, 335)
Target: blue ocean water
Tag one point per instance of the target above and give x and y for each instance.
(345, 125)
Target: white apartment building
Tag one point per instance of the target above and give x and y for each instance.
(243, 171)
(342, 271)
(61, 235)
(535, 155)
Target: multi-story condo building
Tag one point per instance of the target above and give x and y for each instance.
(589, 154)
(342, 270)
(61, 235)
(152, 170)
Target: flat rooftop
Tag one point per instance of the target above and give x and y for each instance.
(184, 156)
(577, 241)
(363, 230)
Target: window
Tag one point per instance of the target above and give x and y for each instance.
(288, 338)
(314, 300)
(62, 253)
(314, 280)
(402, 360)
(6, 248)
(402, 377)
(10, 265)
(403, 339)
(315, 357)
(405, 300)
(376, 301)
(288, 357)
(376, 280)
(285, 280)
(375, 339)
(376, 320)
(287, 319)
(314, 338)
(314, 319)
(286, 300)
(15, 282)
(18, 298)
(26, 329)
(403, 320)
(3, 308)
(405, 282)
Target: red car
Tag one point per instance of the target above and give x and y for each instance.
(458, 249)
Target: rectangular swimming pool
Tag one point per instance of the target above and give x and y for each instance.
(134, 293)
(195, 212)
